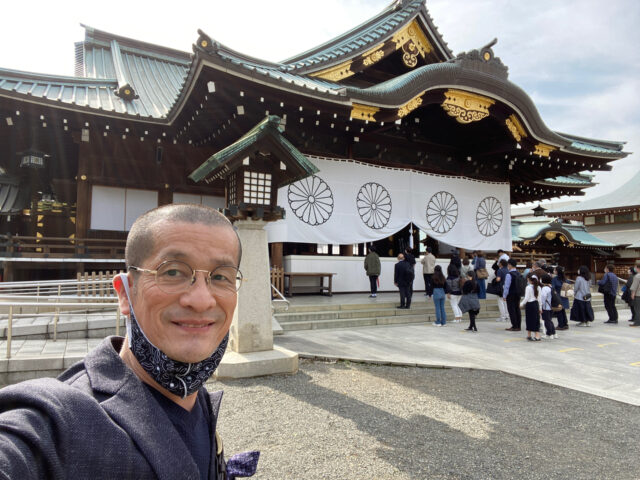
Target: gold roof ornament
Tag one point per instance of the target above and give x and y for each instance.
(364, 112)
(410, 106)
(335, 74)
(373, 56)
(466, 107)
(515, 127)
(413, 42)
(543, 149)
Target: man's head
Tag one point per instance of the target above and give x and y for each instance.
(400, 257)
(537, 265)
(512, 263)
(188, 325)
(500, 252)
(429, 249)
(503, 263)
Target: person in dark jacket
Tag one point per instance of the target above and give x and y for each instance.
(512, 297)
(372, 269)
(403, 279)
(609, 286)
(469, 301)
(626, 296)
(137, 407)
(556, 284)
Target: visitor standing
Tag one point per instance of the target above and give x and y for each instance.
(581, 311)
(372, 269)
(531, 305)
(608, 286)
(428, 265)
(635, 296)
(626, 295)
(469, 301)
(454, 291)
(545, 306)
(439, 294)
(557, 283)
(498, 284)
(480, 267)
(512, 294)
(403, 279)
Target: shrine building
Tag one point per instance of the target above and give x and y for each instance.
(388, 132)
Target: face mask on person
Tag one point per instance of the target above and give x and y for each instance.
(179, 378)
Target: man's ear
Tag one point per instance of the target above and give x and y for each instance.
(118, 286)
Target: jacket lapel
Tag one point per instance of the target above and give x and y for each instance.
(132, 407)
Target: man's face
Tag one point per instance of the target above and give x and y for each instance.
(187, 326)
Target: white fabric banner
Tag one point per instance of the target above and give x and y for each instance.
(349, 202)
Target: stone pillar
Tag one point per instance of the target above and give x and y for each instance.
(251, 351)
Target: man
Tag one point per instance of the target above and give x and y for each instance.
(502, 255)
(403, 279)
(428, 264)
(635, 296)
(537, 269)
(501, 275)
(512, 297)
(137, 407)
(609, 285)
(372, 269)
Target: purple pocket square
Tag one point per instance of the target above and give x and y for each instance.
(242, 465)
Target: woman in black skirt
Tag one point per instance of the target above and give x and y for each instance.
(532, 308)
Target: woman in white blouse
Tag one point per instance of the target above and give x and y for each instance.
(531, 305)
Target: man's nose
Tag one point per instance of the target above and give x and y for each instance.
(199, 296)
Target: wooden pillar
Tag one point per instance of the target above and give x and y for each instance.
(83, 195)
(276, 254)
(463, 253)
(165, 196)
(346, 250)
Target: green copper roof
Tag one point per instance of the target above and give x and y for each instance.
(532, 228)
(570, 180)
(267, 128)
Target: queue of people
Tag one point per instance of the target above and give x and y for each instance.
(542, 291)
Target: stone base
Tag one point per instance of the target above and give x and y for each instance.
(256, 364)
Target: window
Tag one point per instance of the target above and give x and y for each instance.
(623, 217)
(257, 188)
(323, 248)
(600, 219)
(117, 208)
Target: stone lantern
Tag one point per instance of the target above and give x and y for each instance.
(253, 168)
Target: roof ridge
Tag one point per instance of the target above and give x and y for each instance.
(393, 7)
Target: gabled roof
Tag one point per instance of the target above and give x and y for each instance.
(627, 195)
(578, 180)
(13, 197)
(266, 133)
(373, 32)
(533, 228)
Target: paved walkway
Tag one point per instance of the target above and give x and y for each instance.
(603, 360)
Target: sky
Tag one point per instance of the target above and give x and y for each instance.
(577, 59)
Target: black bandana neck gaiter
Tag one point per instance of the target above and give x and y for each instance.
(179, 378)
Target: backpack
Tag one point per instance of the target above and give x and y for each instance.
(519, 282)
(556, 301)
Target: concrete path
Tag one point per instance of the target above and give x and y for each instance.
(603, 360)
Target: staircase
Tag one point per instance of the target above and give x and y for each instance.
(372, 312)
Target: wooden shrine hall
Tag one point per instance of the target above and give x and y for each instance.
(82, 156)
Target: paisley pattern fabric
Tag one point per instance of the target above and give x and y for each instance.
(179, 378)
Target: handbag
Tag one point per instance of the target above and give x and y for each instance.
(566, 290)
(586, 297)
(494, 288)
(482, 273)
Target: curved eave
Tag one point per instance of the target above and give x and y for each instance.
(571, 236)
(369, 34)
(396, 92)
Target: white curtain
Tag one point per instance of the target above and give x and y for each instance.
(349, 202)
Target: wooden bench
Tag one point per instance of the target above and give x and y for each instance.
(290, 288)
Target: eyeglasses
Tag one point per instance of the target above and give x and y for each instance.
(173, 276)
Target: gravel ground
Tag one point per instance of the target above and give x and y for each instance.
(355, 421)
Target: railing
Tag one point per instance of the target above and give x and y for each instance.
(279, 297)
(60, 247)
(57, 305)
(27, 299)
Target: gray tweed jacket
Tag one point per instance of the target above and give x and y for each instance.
(96, 421)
